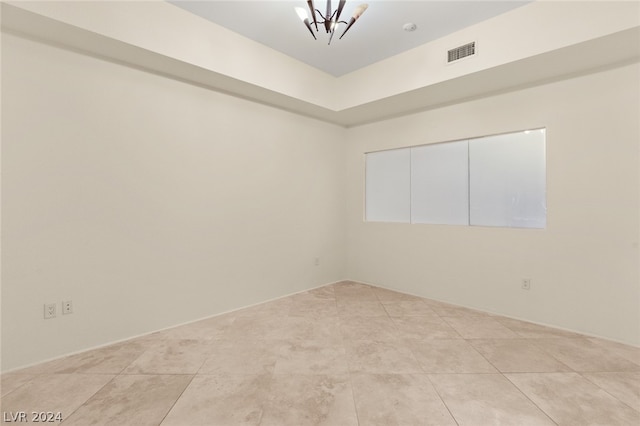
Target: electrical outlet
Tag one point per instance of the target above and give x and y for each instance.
(49, 310)
(317, 261)
(526, 283)
(67, 307)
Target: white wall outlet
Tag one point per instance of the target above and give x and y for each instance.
(49, 310)
(316, 261)
(526, 283)
(67, 307)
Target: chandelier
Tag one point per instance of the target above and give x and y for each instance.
(330, 20)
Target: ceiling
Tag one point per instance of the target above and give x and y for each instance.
(578, 38)
(376, 36)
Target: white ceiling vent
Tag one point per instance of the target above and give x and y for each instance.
(460, 52)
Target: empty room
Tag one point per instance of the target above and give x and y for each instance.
(333, 213)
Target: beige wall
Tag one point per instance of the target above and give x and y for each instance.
(584, 266)
(150, 202)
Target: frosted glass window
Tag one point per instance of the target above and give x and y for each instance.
(490, 181)
(388, 183)
(508, 180)
(440, 184)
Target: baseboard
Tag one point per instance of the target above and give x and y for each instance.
(303, 291)
(138, 336)
(586, 334)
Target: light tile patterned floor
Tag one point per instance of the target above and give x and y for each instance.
(344, 354)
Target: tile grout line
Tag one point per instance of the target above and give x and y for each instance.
(528, 398)
(442, 399)
(176, 401)
(603, 389)
(23, 384)
(89, 398)
(353, 396)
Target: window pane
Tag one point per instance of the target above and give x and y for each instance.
(508, 182)
(387, 177)
(440, 184)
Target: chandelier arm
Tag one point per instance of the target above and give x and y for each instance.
(313, 13)
(331, 38)
(349, 25)
(327, 21)
(339, 9)
(308, 25)
(334, 28)
(322, 16)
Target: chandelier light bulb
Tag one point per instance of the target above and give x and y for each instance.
(302, 14)
(360, 10)
(356, 14)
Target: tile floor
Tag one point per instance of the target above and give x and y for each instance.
(344, 354)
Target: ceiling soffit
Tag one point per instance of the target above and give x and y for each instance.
(390, 95)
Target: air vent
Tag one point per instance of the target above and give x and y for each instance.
(462, 52)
